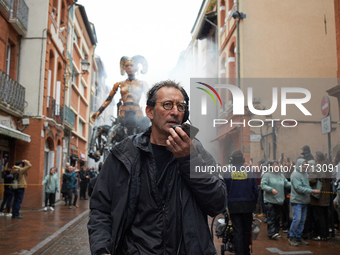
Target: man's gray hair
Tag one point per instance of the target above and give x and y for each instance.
(168, 83)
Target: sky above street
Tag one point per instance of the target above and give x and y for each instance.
(159, 30)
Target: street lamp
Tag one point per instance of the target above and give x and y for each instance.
(85, 65)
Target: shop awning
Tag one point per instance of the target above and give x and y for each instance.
(14, 133)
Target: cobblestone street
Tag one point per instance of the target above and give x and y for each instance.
(64, 231)
(73, 241)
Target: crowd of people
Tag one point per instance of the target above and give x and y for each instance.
(15, 184)
(304, 201)
(72, 180)
(145, 199)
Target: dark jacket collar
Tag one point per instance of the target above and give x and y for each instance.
(127, 151)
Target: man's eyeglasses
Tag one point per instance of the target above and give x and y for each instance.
(168, 105)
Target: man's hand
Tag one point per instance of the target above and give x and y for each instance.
(179, 143)
(274, 191)
(316, 191)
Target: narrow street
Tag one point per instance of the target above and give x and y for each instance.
(73, 241)
(64, 232)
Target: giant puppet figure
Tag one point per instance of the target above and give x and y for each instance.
(130, 118)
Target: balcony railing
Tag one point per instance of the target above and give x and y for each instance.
(55, 111)
(12, 93)
(69, 116)
(19, 16)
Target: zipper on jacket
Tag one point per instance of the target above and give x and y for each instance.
(163, 209)
(164, 229)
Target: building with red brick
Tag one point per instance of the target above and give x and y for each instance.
(265, 45)
(81, 44)
(13, 27)
(335, 91)
(42, 69)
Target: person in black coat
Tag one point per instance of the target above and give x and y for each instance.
(84, 182)
(144, 200)
(8, 193)
(94, 180)
(64, 185)
(242, 196)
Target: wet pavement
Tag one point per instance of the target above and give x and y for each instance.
(73, 241)
(64, 231)
(40, 229)
(265, 246)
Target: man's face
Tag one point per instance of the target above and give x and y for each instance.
(162, 119)
(130, 67)
(70, 169)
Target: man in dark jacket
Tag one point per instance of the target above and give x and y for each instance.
(242, 193)
(84, 176)
(144, 201)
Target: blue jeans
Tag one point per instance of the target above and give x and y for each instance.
(299, 218)
(18, 197)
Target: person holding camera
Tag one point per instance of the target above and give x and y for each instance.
(72, 184)
(144, 200)
(19, 171)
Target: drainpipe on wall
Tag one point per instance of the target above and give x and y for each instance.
(72, 34)
(65, 53)
(89, 131)
(65, 76)
(41, 60)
